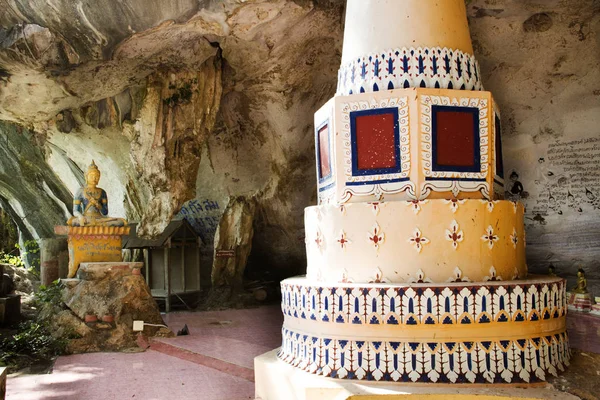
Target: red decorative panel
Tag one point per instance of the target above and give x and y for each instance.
(375, 141)
(324, 156)
(455, 139)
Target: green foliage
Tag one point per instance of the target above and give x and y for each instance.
(48, 294)
(8, 258)
(30, 248)
(33, 343)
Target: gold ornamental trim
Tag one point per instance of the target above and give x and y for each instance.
(99, 230)
(474, 332)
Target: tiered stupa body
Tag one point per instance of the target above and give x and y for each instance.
(416, 266)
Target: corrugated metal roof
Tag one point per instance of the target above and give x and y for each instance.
(172, 230)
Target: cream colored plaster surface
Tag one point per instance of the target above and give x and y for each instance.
(379, 25)
(432, 241)
(276, 380)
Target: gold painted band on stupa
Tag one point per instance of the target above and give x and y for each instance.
(99, 230)
(491, 331)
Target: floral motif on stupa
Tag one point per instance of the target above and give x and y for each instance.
(376, 236)
(416, 205)
(489, 237)
(454, 234)
(418, 240)
(514, 238)
(454, 203)
(343, 240)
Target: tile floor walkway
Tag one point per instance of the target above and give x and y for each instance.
(215, 362)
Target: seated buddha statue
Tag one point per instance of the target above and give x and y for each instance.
(581, 287)
(90, 204)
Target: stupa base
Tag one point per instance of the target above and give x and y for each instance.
(276, 380)
(501, 332)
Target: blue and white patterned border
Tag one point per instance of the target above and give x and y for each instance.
(425, 303)
(527, 360)
(324, 330)
(410, 67)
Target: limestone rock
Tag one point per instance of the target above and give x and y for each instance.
(111, 83)
(101, 306)
(233, 242)
(25, 283)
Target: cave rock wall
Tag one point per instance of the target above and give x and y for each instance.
(187, 105)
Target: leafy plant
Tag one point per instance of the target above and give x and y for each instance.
(33, 343)
(8, 258)
(15, 257)
(48, 294)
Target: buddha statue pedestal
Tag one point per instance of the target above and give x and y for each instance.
(103, 295)
(580, 301)
(93, 244)
(101, 305)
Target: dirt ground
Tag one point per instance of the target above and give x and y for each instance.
(582, 378)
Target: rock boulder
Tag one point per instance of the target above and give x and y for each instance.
(100, 306)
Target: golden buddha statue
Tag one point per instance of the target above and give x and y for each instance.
(581, 287)
(90, 204)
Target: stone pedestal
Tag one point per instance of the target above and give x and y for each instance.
(93, 244)
(580, 301)
(2, 383)
(53, 259)
(101, 305)
(10, 309)
(276, 380)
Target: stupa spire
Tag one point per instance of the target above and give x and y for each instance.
(422, 43)
(412, 239)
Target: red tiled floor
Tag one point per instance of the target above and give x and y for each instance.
(259, 326)
(584, 331)
(234, 336)
(147, 376)
(214, 362)
(218, 365)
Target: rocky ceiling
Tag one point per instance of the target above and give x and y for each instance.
(213, 100)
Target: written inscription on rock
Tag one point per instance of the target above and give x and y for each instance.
(568, 178)
(203, 216)
(95, 249)
(225, 253)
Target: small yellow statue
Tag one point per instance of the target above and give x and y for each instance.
(90, 205)
(581, 287)
(551, 270)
